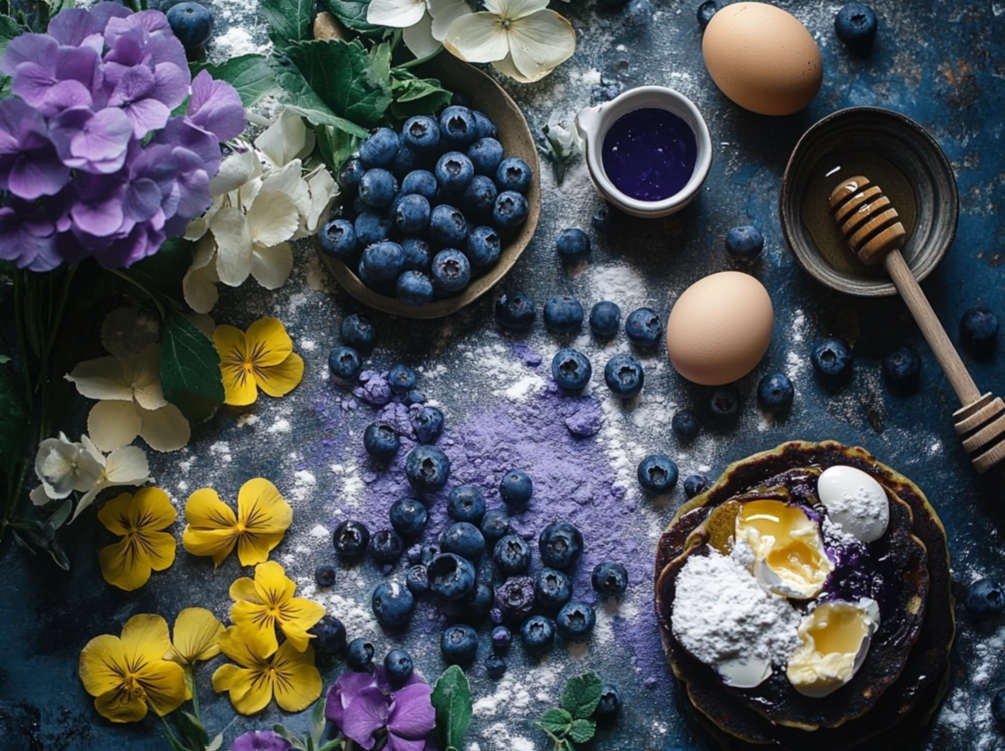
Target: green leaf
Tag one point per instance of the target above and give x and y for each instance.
(335, 745)
(452, 700)
(582, 730)
(335, 145)
(191, 729)
(4, 359)
(249, 74)
(318, 721)
(13, 420)
(60, 515)
(353, 14)
(298, 95)
(289, 20)
(165, 270)
(289, 736)
(581, 695)
(415, 96)
(555, 721)
(9, 29)
(190, 367)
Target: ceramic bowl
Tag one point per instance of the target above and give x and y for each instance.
(515, 136)
(593, 123)
(895, 153)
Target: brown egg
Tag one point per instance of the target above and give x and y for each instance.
(762, 58)
(720, 328)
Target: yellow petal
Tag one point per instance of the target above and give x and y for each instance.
(196, 636)
(245, 647)
(272, 584)
(145, 639)
(239, 388)
(256, 625)
(253, 549)
(101, 665)
(205, 510)
(250, 690)
(298, 682)
(281, 379)
(244, 589)
(262, 509)
(297, 616)
(121, 706)
(268, 344)
(209, 542)
(125, 564)
(164, 684)
(116, 515)
(160, 547)
(154, 509)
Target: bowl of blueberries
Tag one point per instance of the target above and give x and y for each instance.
(433, 214)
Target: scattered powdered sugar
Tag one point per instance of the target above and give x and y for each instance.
(281, 425)
(518, 692)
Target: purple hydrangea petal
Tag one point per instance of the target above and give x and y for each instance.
(147, 115)
(152, 21)
(92, 141)
(77, 64)
(32, 82)
(125, 51)
(179, 133)
(412, 715)
(171, 84)
(215, 107)
(29, 48)
(367, 714)
(136, 83)
(75, 27)
(101, 219)
(64, 95)
(142, 200)
(23, 247)
(260, 740)
(144, 240)
(104, 12)
(167, 49)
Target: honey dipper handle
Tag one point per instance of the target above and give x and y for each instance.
(964, 386)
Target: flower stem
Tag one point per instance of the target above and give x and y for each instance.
(190, 680)
(19, 329)
(421, 60)
(172, 738)
(148, 293)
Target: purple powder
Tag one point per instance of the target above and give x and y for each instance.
(528, 356)
(585, 421)
(374, 388)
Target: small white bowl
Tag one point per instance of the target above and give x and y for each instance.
(593, 123)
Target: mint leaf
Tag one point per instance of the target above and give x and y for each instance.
(353, 14)
(190, 367)
(300, 97)
(336, 145)
(289, 20)
(581, 695)
(555, 722)
(582, 730)
(249, 74)
(415, 96)
(452, 700)
(13, 420)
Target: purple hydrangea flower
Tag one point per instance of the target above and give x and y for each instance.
(29, 164)
(360, 705)
(261, 740)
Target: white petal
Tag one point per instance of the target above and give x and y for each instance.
(127, 466)
(235, 171)
(112, 425)
(91, 449)
(146, 377)
(508, 69)
(245, 196)
(511, 10)
(271, 266)
(285, 140)
(233, 240)
(444, 13)
(398, 14)
(196, 228)
(102, 378)
(85, 501)
(273, 218)
(324, 191)
(199, 288)
(540, 43)
(55, 465)
(38, 496)
(165, 429)
(419, 38)
(126, 330)
(477, 38)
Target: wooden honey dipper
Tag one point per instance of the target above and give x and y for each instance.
(872, 228)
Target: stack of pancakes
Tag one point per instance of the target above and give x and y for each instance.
(906, 670)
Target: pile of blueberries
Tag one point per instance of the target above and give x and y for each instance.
(427, 209)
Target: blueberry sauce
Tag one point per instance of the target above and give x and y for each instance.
(649, 154)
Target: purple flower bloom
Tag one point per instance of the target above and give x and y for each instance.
(215, 107)
(261, 740)
(92, 141)
(48, 76)
(29, 164)
(361, 704)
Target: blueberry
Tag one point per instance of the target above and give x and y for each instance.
(411, 215)
(351, 539)
(377, 188)
(537, 634)
(428, 552)
(420, 182)
(705, 12)
(408, 517)
(405, 161)
(451, 270)
(386, 546)
(516, 488)
(466, 504)
(345, 363)
(191, 23)
(463, 539)
(571, 370)
(383, 260)
(601, 219)
(484, 128)
(381, 440)
(338, 239)
(775, 392)
(349, 175)
(624, 376)
(510, 210)
(479, 197)
(324, 576)
(513, 173)
(329, 636)
(371, 227)
(985, 598)
(563, 314)
(502, 639)
(561, 545)
(379, 149)
(605, 318)
(360, 654)
(832, 360)
(485, 155)
(610, 700)
(998, 709)
(516, 311)
(401, 378)
(901, 367)
(572, 244)
(744, 243)
(575, 621)
(398, 666)
(495, 666)
(495, 525)
(643, 327)
(685, 424)
(427, 468)
(609, 579)
(457, 127)
(414, 288)
(454, 171)
(657, 473)
(451, 576)
(515, 598)
(447, 227)
(417, 579)
(552, 589)
(422, 133)
(392, 604)
(414, 397)
(978, 331)
(476, 605)
(695, 484)
(855, 25)
(427, 424)
(484, 246)
(512, 555)
(459, 644)
(724, 404)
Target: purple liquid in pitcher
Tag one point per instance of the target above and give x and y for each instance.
(649, 154)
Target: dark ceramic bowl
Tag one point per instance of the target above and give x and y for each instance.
(515, 136)
(895, 153)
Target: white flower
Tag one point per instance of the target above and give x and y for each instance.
(199, 284)
(252, 240)
(424, 22)
(521, 38)
(131, 402)
(285, 140)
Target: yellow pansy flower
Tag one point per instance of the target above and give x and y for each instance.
(285, 672)
(261, 358)
(261, 521)
(266, 602)
(196, 637)
(128, 673)
(138, 518)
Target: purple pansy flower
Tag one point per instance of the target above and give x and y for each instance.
(261, 740)
(361, 705)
